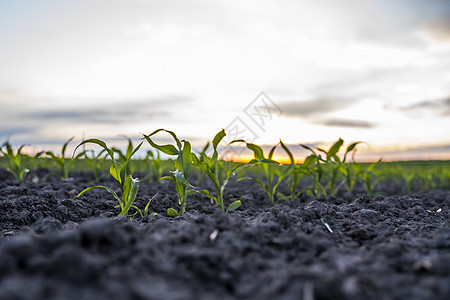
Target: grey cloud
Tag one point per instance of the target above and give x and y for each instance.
(64, 115)
(413, 153)
(439, 107)
(310, 108)
(347, 123)
(10, 133)
(440, 148)
(118, 112)
(14, 130)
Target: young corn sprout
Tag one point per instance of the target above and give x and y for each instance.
(332, 166)
(154, 165)
(16, 162)
(201, 175)
(270, 167)
(351, 172)
(296, 173)
(315, 172)
(128, 185)
(123, 156)
(95, 161)
(183, 164)
(63, 163)
(370, 178)
(217, 172)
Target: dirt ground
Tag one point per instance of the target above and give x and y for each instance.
(393, 245)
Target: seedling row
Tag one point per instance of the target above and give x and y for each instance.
(323, 173)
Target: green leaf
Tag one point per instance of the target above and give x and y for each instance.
(186, 158)
(260, 184)
(205, 148)
(334, 149)
(172, 212)
(309, 160)
(191, 192)
(179, 176)
(281, 196)
(167, 178)
(114, 170)
(129, 148)
(207, 193)
(174, 137)
(308, 148)
(123, 171)
(148, 204)
(195, 160)
(268, 161)
(131, 194)
(213, 160)
(272, 151)
(257, 151)
(65, 146)
(100, 187)
(135, 150)
(98, 142)
(167, 149)
(372, 166)
(219, 136)
(288, 152)
(233, 206)
(58, 160)
(350, 148)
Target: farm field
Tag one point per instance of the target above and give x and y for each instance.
(325, 229)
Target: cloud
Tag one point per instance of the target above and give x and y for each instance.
(439, 28)
(309, 108)
(315, 110)
(426, 149)
(118, 112)
(44, 120)
(10, 132)
(347, 123)
(439, 107)
(429, 152)
(67, 115)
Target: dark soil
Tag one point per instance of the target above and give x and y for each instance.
(56, 246)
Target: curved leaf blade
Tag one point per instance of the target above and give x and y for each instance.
(233, 206)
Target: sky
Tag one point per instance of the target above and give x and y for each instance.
(305, 72)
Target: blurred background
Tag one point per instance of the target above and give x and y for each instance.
(302, 71)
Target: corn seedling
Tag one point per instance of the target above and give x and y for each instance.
(334, 166)
(352, 172)
(296, 173)
(442, 176)
(183, 164)
(270, 167)
(61, 161)
(154, 165)
(16, 161)
(370, 178)
(128, 185)
(217, 172)
(201, 174)
(124, 156)
(315, 172)
(95, 161)
(144, 213)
